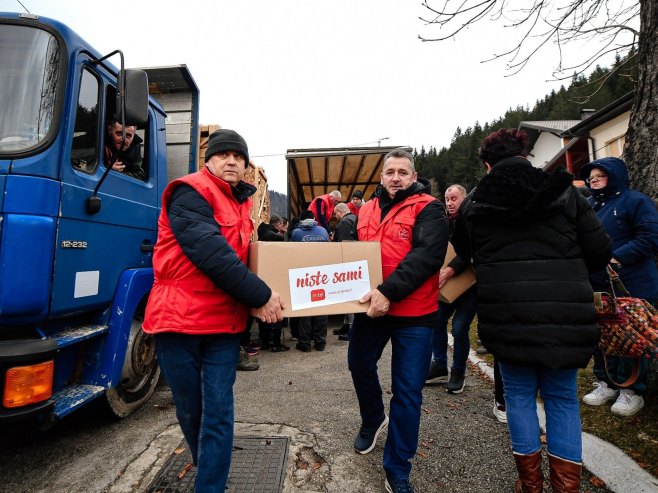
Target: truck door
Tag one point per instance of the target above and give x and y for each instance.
(93, 249)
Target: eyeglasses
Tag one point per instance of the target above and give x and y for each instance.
(596, 178)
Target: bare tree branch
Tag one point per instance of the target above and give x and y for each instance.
(606, 23)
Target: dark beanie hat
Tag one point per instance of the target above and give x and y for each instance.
(358, 194)
(226, 140)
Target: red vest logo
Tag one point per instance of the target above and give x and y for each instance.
(317, 295)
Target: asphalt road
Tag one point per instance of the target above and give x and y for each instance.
(306, 396)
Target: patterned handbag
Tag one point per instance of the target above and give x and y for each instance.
(629, 326)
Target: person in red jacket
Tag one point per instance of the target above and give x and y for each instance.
(201, 298)
(411, 226)
(355, 204)
(322, 208)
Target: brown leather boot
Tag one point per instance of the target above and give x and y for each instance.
(565, 475)
(531, 477)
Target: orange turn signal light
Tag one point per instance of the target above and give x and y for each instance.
(26, 385)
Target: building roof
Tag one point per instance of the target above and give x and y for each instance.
(605, 114)
(535, 128)
(555, 126)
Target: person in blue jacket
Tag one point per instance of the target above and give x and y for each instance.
(630, 218)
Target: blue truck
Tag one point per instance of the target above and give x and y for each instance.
(76, 237)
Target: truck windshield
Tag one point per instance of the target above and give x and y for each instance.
(29, 68)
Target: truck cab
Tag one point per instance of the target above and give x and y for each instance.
(74, 279)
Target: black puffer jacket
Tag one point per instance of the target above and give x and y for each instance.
(533, 238)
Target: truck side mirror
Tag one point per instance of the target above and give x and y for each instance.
(137, 92)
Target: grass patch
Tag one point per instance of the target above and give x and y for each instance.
(637, 436)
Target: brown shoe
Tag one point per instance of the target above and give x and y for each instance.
(531, 477)
(565, 475)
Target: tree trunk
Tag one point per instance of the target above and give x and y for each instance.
(641, 151)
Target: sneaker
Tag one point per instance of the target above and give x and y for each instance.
(398, 485)
(437, 374)
(246, 363)
(344, 337)
(456, 383)
(600, 395)
(367, 437)
(320, 347)
(628, 403)
(499, 412)
(481, 350)
(280, 348)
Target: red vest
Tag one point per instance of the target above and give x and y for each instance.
(328, 207)
(354, 209)
(183, 298)
(394, 234)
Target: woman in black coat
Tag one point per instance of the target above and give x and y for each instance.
(533, 238)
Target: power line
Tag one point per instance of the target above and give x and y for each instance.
(269, 155)
(19, 2)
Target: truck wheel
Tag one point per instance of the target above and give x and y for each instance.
(139, 376)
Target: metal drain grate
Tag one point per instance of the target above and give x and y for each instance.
(258, 465)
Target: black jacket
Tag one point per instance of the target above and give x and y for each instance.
(131, 158)
(346, 228)
(267, 232)
(200, 237)
(533, 237)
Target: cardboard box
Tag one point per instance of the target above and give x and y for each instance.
(457, 285)
(318, 278)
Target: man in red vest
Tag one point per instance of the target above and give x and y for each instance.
(322, 208)
(355, 204)
(201, 298)
(412, 228)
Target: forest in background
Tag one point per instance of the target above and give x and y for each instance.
(459, 163)
(278, 203)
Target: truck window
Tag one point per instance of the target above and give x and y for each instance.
(132, 159)
(84, 154)
(30, 61)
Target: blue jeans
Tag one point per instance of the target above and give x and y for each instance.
(200, 371)
(409, 362)
(464, 309)
(559, 391)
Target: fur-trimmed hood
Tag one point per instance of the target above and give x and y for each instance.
(514, 190)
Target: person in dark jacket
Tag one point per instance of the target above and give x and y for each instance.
(345, 231)
(270, 334)
(631, 220)
(411, 226)
(126, 159)
(533, 239)
(462, 311)
(346, 225)
(311, 331)
(271, 231)
(201, 297)
(308, 229)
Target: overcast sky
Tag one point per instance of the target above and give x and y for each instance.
(291, 74)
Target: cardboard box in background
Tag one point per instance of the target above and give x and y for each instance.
(457, 285)
(272, 262)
